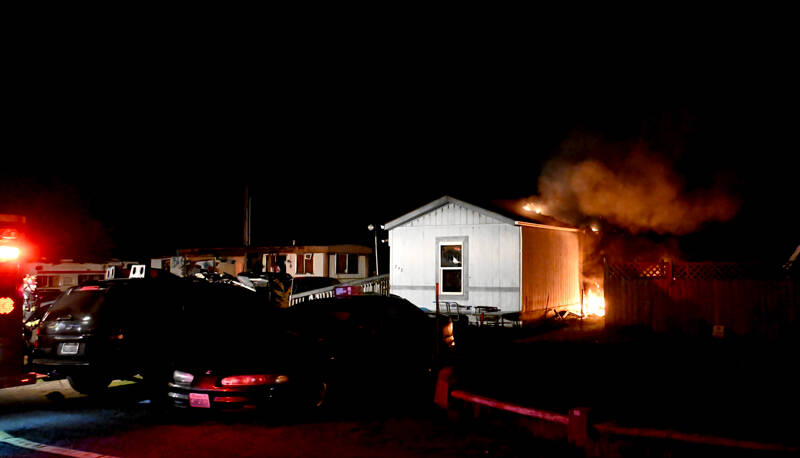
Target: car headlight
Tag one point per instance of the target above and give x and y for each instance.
(182, 378)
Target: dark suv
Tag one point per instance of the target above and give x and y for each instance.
(114, 329)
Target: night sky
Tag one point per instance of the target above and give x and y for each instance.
(138, 156)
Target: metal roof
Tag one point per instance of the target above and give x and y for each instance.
(496, 213)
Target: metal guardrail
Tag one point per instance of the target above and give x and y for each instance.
(579, 428)
(372, 285)
(471, 315)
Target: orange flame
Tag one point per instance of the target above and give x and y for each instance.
(594, 302)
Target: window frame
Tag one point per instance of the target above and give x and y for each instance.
(464, 268)
(348, 257)
(305, 263)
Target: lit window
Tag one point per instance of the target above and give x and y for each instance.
(451, 268)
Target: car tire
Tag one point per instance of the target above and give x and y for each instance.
(88, 384)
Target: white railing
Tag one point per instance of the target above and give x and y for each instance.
(372, 285)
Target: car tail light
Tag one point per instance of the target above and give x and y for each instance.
(89, 288)
(250, 380)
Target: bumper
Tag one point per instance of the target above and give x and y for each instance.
(8, 381)
(225, 399)
(59, 367)
(59, 363)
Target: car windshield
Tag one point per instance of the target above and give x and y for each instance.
(79, 301)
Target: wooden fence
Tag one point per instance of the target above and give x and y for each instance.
(700, 299)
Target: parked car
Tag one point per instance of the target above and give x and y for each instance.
(377, 345)
(123, 328)
(262, 368)
(343, 349)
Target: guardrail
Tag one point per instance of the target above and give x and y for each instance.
(580, 430)
(373, 285)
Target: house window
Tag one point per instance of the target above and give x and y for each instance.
(85, 278)
(271, 260)
(346, 263)
(305, 263)
(47, 281)
(451, 268)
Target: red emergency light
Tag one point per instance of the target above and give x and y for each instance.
(8, 253)
(6, 305)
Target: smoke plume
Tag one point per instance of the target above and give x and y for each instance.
(631, 188)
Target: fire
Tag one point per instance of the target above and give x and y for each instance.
(533, 208)
(594, 302)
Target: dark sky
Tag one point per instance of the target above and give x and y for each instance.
(134, 155)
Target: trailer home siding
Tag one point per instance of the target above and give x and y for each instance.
(490, 270)
(482, 258)
(550, 270)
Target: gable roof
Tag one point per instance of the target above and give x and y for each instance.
(497, 213)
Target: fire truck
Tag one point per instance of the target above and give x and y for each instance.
(13, 251)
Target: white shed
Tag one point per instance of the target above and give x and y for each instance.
(481, 257)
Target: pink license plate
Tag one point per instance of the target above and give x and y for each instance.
(199, 400)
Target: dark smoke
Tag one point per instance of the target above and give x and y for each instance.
(629, 187)
(634, 197)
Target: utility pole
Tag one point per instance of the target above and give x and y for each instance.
(375, 231)
(248, 210)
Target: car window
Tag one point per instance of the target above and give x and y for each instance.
(78, 301)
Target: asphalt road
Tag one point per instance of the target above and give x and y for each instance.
(50, 418)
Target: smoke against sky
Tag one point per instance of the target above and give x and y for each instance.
(633, 188)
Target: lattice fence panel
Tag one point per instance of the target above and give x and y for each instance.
(693, 271)
(634, 270)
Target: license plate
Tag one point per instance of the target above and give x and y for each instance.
(199, 400)
(68, 348)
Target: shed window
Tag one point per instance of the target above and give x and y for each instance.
(451, 268)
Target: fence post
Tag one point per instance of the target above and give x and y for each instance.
(438, 331)
(444, 384)
(578, 426)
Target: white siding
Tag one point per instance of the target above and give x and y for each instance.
(291, 263)
(492, 254)
(319, 264)
(451, 215)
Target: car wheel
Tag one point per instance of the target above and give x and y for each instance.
(88, 384)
